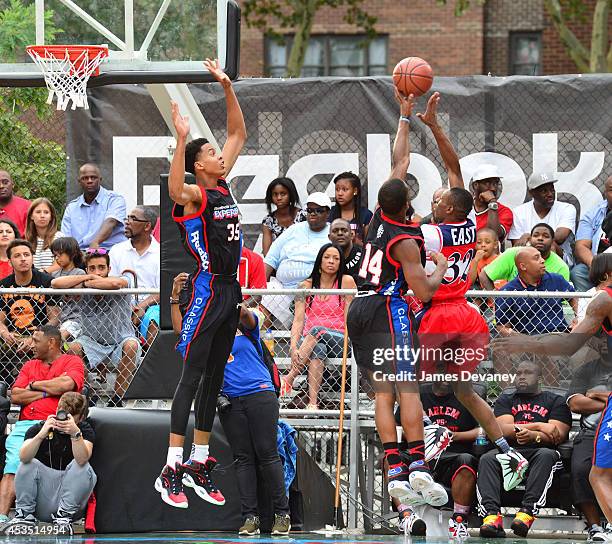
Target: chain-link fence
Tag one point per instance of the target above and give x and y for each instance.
(102, 327)
(304, 330)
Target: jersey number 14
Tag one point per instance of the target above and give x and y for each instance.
(371, 263)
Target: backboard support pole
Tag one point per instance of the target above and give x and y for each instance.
(129, 25)
(163, 94)
(40, 21)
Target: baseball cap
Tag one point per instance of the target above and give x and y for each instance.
(319, 198)
(485, 171)
(541, 178)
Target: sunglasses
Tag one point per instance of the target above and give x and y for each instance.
(96, 251)
(134, 219)
(316, 211)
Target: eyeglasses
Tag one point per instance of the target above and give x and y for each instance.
(316, 211)
(134, 219)
(96, 251)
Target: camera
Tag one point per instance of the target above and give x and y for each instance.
(224, 404)
(61, 415)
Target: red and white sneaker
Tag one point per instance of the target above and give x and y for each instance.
(169, 485)
(197, 476)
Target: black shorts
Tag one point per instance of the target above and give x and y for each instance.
(213, 307)
(383, 337)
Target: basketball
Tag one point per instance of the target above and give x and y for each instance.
(413, 75)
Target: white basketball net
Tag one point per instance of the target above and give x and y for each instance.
(66, 77)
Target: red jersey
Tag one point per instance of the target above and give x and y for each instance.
(457, 242)
(35, 370)
(16, 210)
(251, 271)
(506, 218)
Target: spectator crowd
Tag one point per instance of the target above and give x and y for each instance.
(54, 344)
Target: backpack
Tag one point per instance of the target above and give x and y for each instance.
(268, 360)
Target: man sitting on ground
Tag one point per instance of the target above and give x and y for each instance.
(55, 479)
(536, 421)
(37, 389)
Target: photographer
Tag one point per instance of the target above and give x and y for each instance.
(55, 479)
(248, 410)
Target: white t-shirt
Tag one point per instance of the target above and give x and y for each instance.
(123, 257)
(561, 214)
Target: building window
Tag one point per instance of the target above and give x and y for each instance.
(525, 53)
(331, 56)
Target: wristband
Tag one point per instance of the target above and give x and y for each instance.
(174, 300)
(44, 394)
(404, 119)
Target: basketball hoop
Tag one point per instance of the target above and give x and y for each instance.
(67, 69)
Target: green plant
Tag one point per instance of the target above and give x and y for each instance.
(38, 167)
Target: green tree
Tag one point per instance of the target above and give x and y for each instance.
(38, 167)
(299, 15)
(593, 59)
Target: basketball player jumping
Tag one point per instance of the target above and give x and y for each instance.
(380, 323)
(207, 217)
(450, 329)
(598, 316)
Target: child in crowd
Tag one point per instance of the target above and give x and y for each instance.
(487, 250)
(348, 205)
(282, 193)
(69, 258)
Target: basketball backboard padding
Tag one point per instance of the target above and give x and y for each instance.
(158, 64)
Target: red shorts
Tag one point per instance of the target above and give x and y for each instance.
(453, 338)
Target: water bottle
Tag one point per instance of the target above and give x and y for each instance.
(481, 443)
(269, 341)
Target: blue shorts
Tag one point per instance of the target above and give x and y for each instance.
(152, 314)
(14, 441)
(602, 450)
(329, 343)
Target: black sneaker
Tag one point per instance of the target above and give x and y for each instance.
(282, 525)
(63, 522)
(197, 476)
(169, 485)
(250, 526)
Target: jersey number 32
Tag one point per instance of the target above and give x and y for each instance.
(371, 263)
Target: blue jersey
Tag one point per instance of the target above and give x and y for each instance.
(246, 372)
(602, 451)
(212, 235)
(378, 271)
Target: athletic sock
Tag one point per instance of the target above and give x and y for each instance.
(392, 454)
(402, 508)
(200, 452)
(175, 456)
(460, 510)
(502, 445)
(416, 450)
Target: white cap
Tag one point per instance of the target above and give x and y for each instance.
(319, 198)
(538, 179)
(485, 171)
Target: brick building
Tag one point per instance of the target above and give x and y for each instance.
(502, 37)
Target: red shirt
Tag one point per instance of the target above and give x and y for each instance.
(251, 271)
(5, 269)
(506, 218)
(155, 232)
(16, 210)
(35, 370)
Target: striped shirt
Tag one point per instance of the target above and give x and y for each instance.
(43, 258)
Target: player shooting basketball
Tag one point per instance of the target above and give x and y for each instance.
(207, 216)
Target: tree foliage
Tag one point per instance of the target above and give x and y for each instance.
(298, 15)
(38, 167)
(597, 57)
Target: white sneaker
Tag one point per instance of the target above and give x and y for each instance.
(411, 524)
(514, 466)
(457, 529)
(437, 439)
(422, 482)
